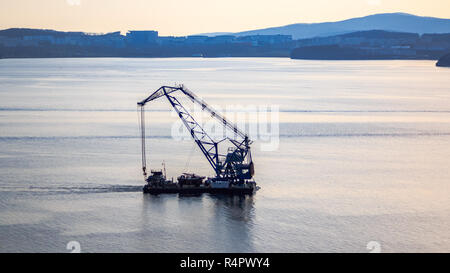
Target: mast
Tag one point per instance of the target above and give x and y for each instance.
(164, 165)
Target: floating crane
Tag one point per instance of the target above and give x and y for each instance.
(233, 169)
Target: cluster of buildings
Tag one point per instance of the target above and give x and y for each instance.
(373, 38)
(28, 37)
(378, 44)
(252, 40)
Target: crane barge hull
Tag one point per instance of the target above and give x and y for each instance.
(233, 167)
(201, 190)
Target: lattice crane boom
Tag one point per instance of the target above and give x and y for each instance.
(236, 165)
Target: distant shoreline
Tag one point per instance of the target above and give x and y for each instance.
(224, 57)
(360, 45)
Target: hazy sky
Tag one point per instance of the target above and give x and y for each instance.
(181, 17)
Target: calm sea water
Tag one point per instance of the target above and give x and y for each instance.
(363, 156)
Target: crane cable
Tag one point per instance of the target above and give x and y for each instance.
(141, 126)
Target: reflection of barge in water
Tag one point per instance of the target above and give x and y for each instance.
(233, 165)
(193, 184)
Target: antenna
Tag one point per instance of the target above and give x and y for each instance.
(164, 165)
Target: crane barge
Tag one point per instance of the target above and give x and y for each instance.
(234, 169)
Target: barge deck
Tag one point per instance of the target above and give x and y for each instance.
(200, 190)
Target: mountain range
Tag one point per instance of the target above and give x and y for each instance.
(399, 22)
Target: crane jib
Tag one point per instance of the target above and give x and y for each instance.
(236, 165)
